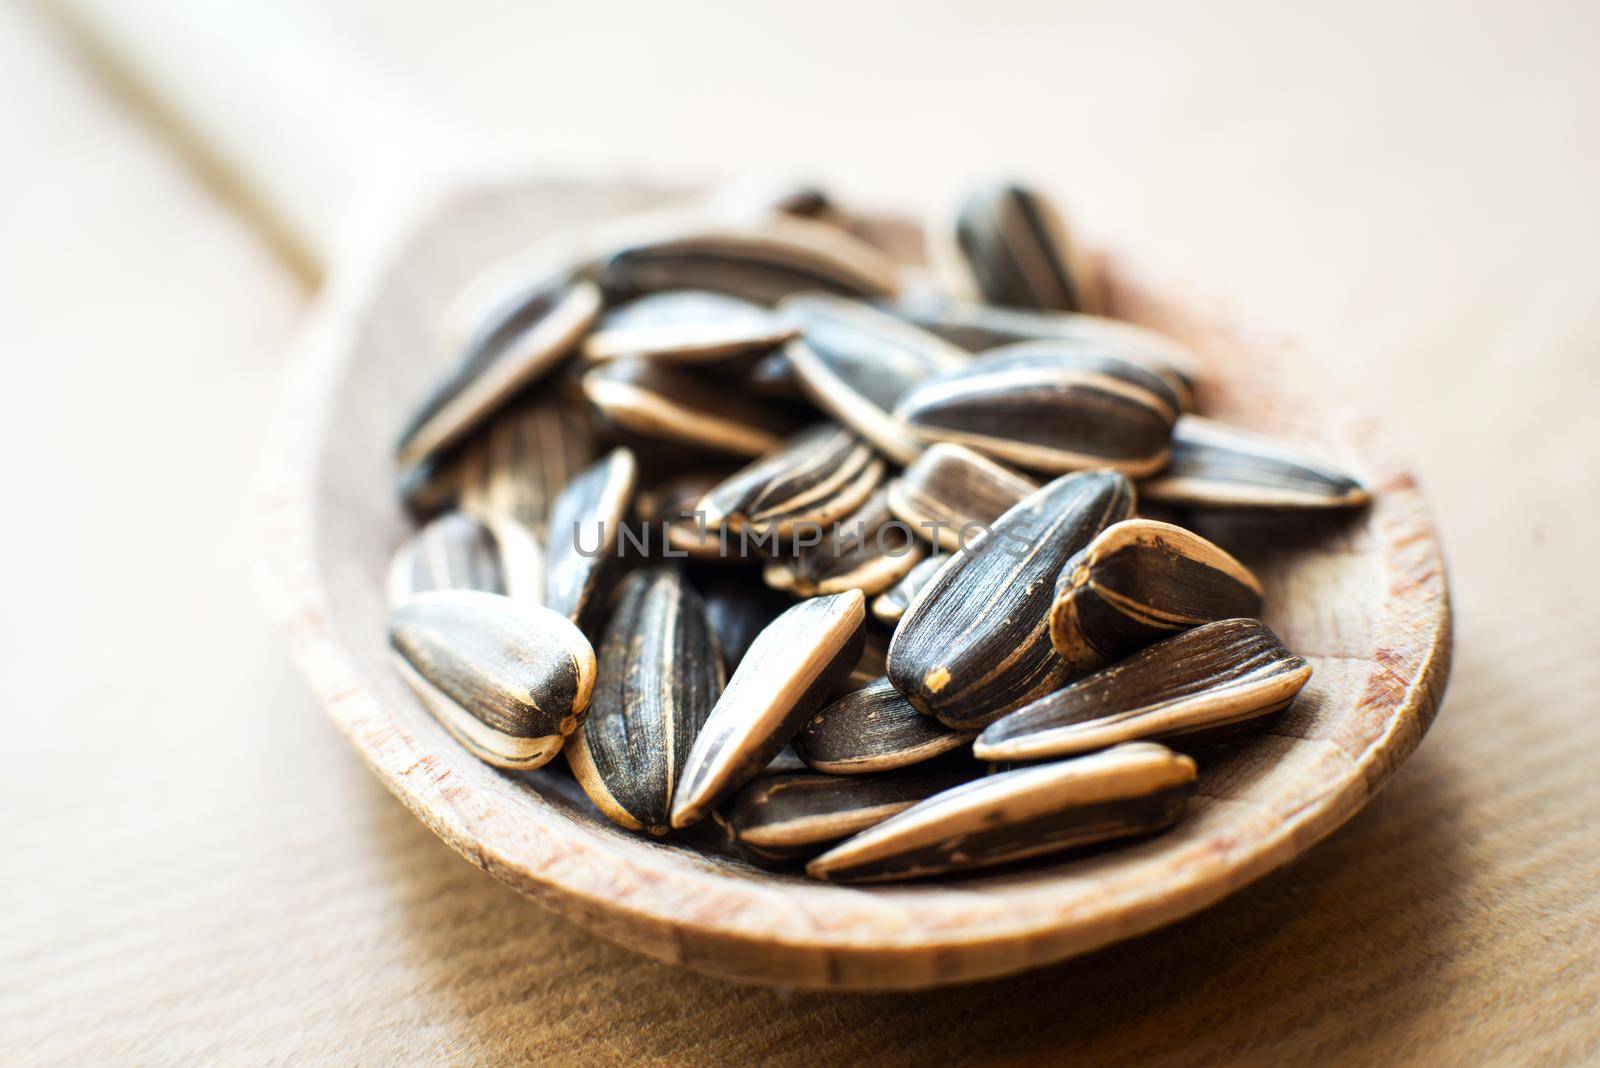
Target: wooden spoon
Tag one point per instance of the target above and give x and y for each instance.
(1363, 597)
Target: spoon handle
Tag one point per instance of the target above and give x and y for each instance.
(311, 128)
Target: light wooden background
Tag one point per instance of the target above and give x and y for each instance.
(194, 867)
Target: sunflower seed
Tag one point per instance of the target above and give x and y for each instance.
(890, 605)
(873, 729)
(1049, 413)
(509, 679)
(585, 525)
(791, 667)
(1200, 682)
(976, 643)
(739, 608)
(778, 819)
(512, 466)
(1133, 789)
(980, 327)
(867, 550)
(685, 326)
(1138, 582)
(818, 477)
(1008, 245)
(951, 493)
(855, 362)
(528, 340)
(1213, 465)
(672, 405)
(660, 673)
(459, 552)
(762, 264)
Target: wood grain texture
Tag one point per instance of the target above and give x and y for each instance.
(283, 907)
(1263, 807)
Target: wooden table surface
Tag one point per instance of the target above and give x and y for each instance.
(198, 869)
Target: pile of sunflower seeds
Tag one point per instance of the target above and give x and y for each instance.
(753, 524)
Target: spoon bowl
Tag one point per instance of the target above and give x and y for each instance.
(1362, 596)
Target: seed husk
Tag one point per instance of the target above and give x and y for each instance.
(685, 326)
(528, 340)
(739, 607)
(855, 362)
(817, 477)
(1141, 581)
(510, 679)
(891, 605)
(981, 327)
(1134, 789)
(951, 493)
(1049, 413)
(873, 729)
(1214, 678)
(659, 674)
(779, 819)
(1217, 466)
(761, 263)
(514, 465)
(1007, 245)
(976, 643)
(456, 551)
(585, 525)
(790, 669)
(670, 404)
(867, 550)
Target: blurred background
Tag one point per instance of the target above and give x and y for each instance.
(195, 866)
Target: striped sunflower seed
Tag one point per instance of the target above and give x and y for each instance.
(512, 466)
(660, 673)
(685, 326)
(780, 819)
(1007, 245)
(456, 551)
(672, 405)
(855, 362)
(738, 608)
(1134, 789)
(1049, 412)
(1218, 466)
(867, 550)
(1202, 682)
(873, 729)
(585, 526)
(1140, 581)
(976, 643)
(891, 605)
(790, 669)
(817, 477)
(981, 327)
(510, 679)
(525, 343)
(950, 494)
(761, 263)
